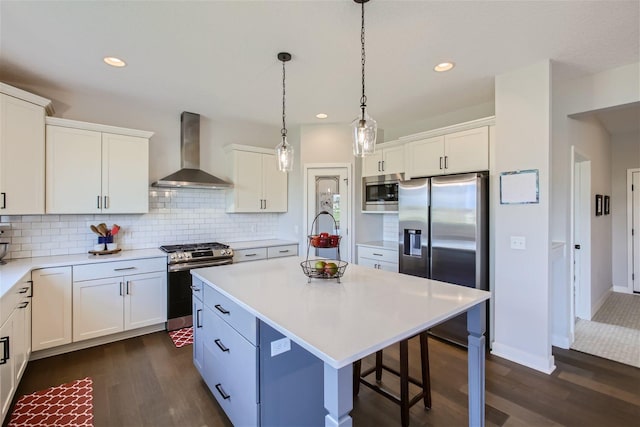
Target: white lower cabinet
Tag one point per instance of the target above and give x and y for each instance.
(254, 254)
(15, 339)
(133, 295)
(378, 258)
(52, 290)
(198, 325)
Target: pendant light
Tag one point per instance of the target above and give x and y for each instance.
(365, 129)
(284, 150)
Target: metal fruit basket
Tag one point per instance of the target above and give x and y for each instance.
(324, 268)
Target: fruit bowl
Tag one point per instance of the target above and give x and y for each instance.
(323, 269)
(324, 240)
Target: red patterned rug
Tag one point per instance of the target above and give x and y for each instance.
(182, 337)
(68, 404)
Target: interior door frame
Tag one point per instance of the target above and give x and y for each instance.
(630, 173)
(350, 217)
(580, 296)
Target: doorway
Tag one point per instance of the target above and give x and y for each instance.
(328, 189)
(580, 239)
(633, 228)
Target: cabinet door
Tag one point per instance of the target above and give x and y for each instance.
(393, 160)
(51, 307)
(73, 170)
(198, 339)
(7, 366)
(19, 345)
(145, 300)
(274, 183)
(426, 157)
(97, 308)
(372, 165)
(21, 157)
(125, 174)
(467, 151)
(367, 262)
(247, 183)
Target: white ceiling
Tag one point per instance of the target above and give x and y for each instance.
(218, 58)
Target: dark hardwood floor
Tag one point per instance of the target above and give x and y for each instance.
(146, 381)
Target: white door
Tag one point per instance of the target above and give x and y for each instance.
(125, 174)
(636, 227)
(7, 366)
(51, 307)
(329, 190)
(97, 308)
(582, 239)
(274, 183)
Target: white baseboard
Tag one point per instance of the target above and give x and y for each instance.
(598, 304)
(54, 351)
(561, 341)
(542, 364)
(622, 289)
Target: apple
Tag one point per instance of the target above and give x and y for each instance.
(320, 266)
(331, 268)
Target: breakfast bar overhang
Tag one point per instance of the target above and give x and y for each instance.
(340, 323)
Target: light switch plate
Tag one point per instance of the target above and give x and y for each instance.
(280, 346)
(518, 243)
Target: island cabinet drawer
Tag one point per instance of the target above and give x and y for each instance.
(249, 254)
(379, 254)
(102, 270)
(11, 299)
(280, 251)
(239, 319)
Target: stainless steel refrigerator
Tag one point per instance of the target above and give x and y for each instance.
(443, 235)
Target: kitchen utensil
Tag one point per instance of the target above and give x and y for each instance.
(102, 227)
(95, 230)
(115, 229)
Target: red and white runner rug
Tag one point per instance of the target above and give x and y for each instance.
(68, 404)
(182, 337)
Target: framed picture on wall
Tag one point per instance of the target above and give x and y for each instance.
(607, 204)
(598, 204)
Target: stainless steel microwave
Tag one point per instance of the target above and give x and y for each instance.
(380, 193)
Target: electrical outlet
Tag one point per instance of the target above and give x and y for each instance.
(518, 243)
(280, 346)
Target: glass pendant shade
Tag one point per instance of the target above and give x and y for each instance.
(365, 132)
(284, 156)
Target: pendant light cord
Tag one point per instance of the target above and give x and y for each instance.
(363, 100)
(283, 131)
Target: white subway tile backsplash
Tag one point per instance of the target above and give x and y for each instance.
(175, 216)
(390, 227)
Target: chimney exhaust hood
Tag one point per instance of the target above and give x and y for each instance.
(190, 175)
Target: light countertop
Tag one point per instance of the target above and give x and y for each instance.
(381, 244)
(253, 244)
(339, 322)
(15, 269)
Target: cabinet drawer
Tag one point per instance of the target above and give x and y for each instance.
(197, 288)
(239, 319)
(249, 254)
(11, 299)
(379, 254)
(280, 251)
(118, 268)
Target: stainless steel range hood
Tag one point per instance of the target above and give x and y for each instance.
(190, 175)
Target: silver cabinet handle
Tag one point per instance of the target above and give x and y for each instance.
(121, 288)
(248, 255)
(446, 162)
(383, 166)
(98, 203)
(440, 162)
(24, 304)
(128, 287)
(198, 324)
(5, 350)
(284, 252)
(194, 289)
(221, 309)
(221, 346)
(106, 202)
(23, 290)
(376, 254)
(4, 201)
(224, 395)
(124, 268)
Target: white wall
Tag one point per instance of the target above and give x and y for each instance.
(611, 88)
(593, 141)
(625, 154)
(522, 277)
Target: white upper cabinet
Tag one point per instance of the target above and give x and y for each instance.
(386, 160)
(258, 185)
(22, 162)
(457, 152)
(96, 168)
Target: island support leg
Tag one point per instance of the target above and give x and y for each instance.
(476, 318)
(338, 395)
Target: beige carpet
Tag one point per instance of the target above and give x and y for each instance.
(614, 332)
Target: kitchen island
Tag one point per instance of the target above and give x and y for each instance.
(339, 323)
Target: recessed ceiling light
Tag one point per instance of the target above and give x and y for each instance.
(114, 62)
(444, 66)
(321, 116)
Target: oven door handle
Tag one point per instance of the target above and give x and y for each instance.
(191, 266)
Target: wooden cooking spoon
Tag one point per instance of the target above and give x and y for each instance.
(95, 230)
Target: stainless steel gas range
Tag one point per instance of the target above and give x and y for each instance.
(181, 260)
